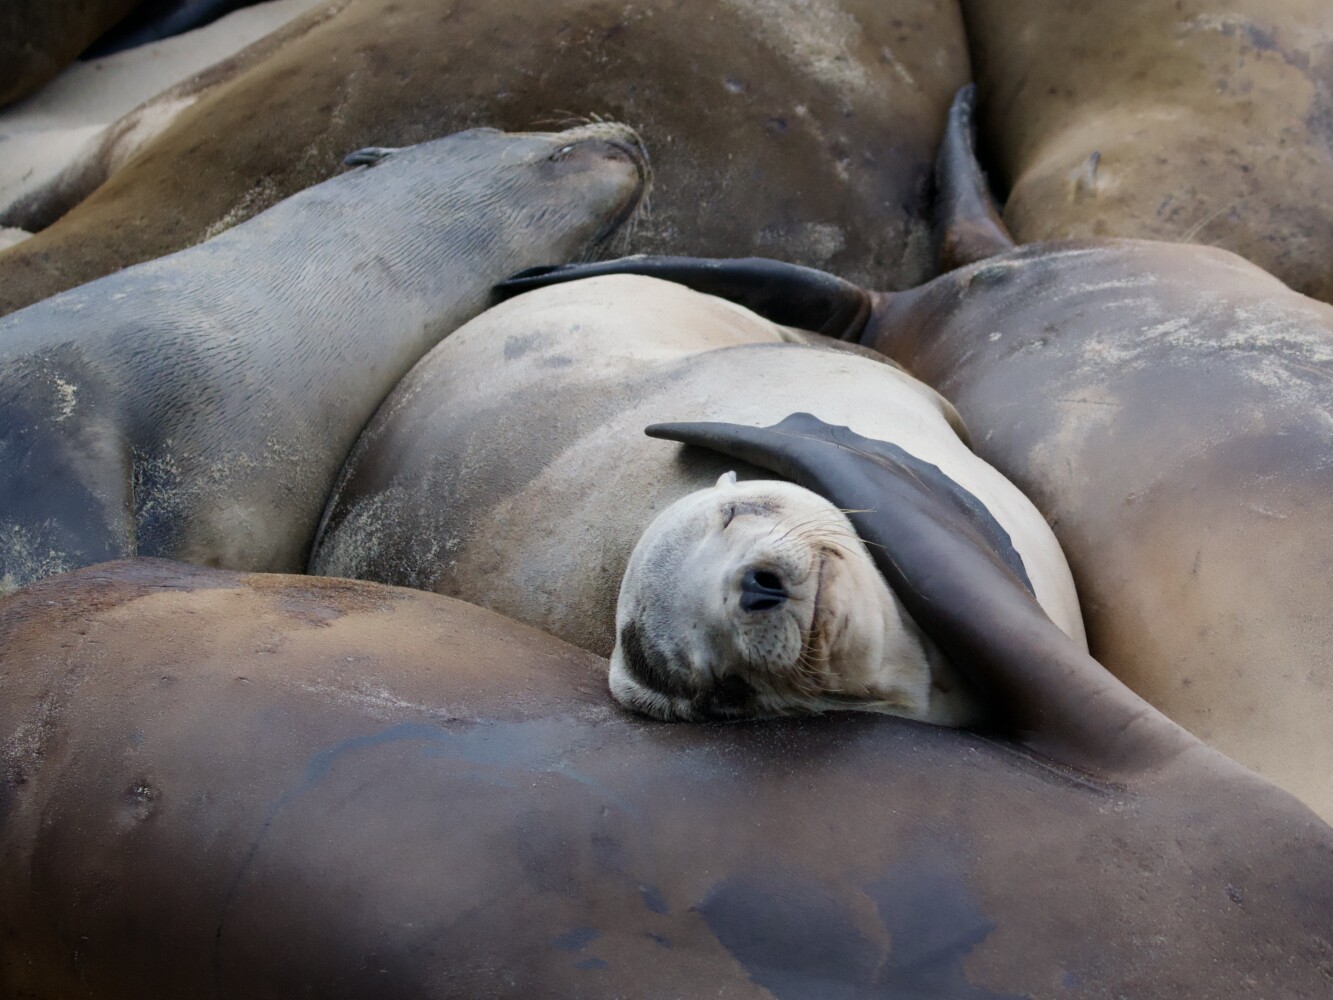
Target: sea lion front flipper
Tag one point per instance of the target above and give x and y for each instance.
(968, 223)
(369, 156)
(787, 294)
(1048, 693)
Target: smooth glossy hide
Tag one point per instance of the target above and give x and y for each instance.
(266, 787)
(199, 406)
(509, 468)
(774, 127)
(1204, 121)
(1169, 409)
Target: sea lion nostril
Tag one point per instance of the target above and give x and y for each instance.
(761, 590)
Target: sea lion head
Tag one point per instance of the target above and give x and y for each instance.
(754, 599)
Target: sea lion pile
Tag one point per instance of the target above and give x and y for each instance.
(344, 594)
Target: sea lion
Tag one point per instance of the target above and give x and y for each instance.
(339, 789)
(772, 126)
(1207, 121)
(39, 38)
(88, 122)
(1169, 409)
(757, 599)
(508, 468)
(199, 406)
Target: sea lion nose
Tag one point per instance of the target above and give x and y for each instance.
(761, 590)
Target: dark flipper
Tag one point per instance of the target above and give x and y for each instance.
(783, 293)
(935, 554)
(369, 156)
(966, 217)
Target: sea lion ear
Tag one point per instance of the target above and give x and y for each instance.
(369, 156)
(787, 294)
(967, 221)
(727, 479)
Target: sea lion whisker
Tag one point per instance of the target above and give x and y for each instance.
(814, 536)
(820, 518)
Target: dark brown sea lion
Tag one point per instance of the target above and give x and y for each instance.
(1169, 408)
(39, 38)
(276, 786)
(508, 468)
(773, 126)
(199, 406)
(1205, 121)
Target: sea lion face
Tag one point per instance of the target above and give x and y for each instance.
(758, 599)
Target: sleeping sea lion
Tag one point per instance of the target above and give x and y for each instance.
(508, 468)
(772, 126)
(199, 406)
(1206, 121)
(339, 789)
(1169, 408)
(757, 599)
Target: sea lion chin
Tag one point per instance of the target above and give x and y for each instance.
(757, 599)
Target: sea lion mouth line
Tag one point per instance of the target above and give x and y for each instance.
(807, 657)
(638, 155)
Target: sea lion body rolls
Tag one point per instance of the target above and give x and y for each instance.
(1207, 121)
(1169, 409)
(535, 514)
(197, 819)
(771, 126)
(199, 406)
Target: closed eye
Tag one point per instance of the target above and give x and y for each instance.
(731, 510)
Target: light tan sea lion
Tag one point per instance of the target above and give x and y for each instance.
(509, 467)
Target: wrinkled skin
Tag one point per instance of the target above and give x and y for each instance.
(1199, 121)
(336, 789)
(773, 127)
(199, 407)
